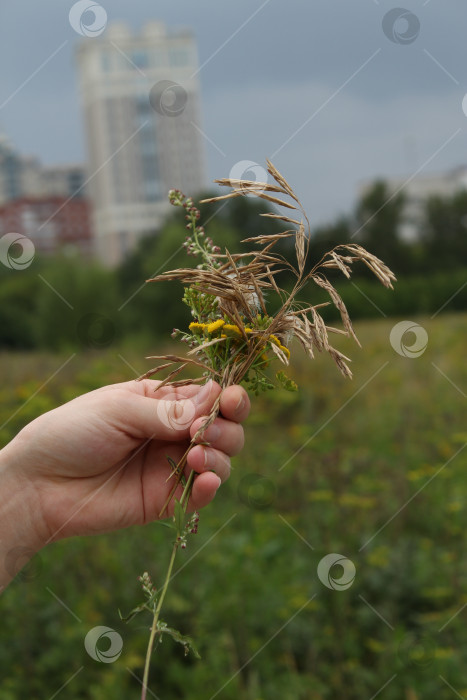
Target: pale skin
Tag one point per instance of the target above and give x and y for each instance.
(99, 463)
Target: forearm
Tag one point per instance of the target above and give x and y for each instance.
(20, 536)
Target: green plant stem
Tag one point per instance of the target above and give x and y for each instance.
(184, 502)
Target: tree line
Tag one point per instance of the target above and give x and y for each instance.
(68, 302)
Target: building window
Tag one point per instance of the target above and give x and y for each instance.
(106, 61)
(75, 184)
(157, 58)
(139, 58)
(178, 57)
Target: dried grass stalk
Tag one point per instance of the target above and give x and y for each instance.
(237, 333)
(239, 278)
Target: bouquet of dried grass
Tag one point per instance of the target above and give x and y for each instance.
(233, 338)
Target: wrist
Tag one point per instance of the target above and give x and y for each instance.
(21, 530)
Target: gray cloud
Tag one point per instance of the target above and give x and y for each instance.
(287, 62)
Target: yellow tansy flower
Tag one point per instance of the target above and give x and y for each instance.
(277, 342)
(235, 330)
(215, 325)
(265, 359)
(196, 327)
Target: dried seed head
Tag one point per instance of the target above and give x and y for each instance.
(237, 283)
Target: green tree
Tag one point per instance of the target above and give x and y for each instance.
(444, 234)
(18, 296)
(378, 217)
(326, 237)
(76, 305)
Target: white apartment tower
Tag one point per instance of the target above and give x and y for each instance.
(142, 114)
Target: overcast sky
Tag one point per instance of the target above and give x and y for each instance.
(316, 85)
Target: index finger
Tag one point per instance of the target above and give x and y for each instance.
(235, 403)
(149, 388)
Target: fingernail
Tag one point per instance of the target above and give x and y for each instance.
(240, 406)
(220, 482)
(203, 393)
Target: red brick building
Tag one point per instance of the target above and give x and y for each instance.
(53, 223)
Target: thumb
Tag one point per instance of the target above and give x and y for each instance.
(170, 418)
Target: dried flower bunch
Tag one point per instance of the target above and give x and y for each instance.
(233, 338)
(232, 335)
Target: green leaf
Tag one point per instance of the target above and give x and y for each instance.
(133, 613)
(287, 383)
(172, 463)
(166, 523)
(179, 516)
(186, 641)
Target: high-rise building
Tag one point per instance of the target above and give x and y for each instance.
(25, 176)
(63, 180)
(19, 175)
(45, 203)
(141, 107)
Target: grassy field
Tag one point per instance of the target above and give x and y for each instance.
(373, 469)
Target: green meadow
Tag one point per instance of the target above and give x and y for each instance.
(373, 469)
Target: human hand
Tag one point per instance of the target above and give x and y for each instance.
(99, 462)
